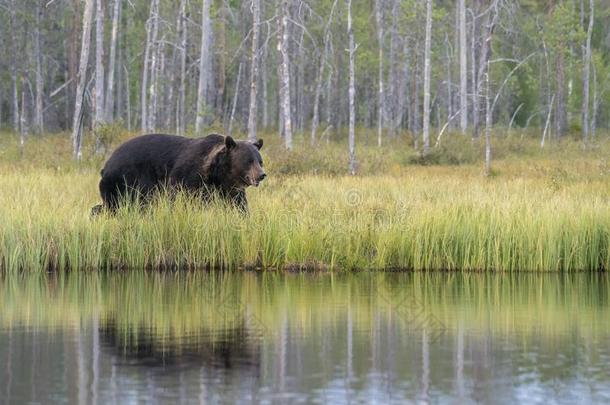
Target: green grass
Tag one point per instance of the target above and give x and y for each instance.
(542, 211)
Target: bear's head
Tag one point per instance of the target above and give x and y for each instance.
(246, 167)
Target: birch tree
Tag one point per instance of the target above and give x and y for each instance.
(426, 118)
(380, 94)
(253, 111)
(204, 58)
(352, 91)
(488, 117)
(284, 70)
(13, 68)
(150, 29)
(38, 112)
(77, 126)
(183, 35)
(112, 62)
(586, 75)
(463, 69)
(99, 64)
(323, 62)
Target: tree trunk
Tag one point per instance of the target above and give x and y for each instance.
(183, 34)
(323, 60)
(204, 58)
(488, 117)
(381, 95)
(155, 64)
(149, 42)
(235, 96)
(426, 118)
(99, 64)
(284, 67)
(38, 114)
(127, 98)
(352, 92)
(77, 126)
(14, 69)
(253, 112)
(561, 123)
(221, 61)
(484, 56)
(593, 125)
(473, 68)
(463, 69)
(586, 75)
(23, 127)
(112, 62)
(300, 85)
(265, 77)
(390, 101)
(449, 101)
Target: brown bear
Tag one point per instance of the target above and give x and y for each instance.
(144, 165)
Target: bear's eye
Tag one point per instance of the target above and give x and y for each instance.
(260, 162)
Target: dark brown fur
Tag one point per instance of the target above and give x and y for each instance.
(142, 166)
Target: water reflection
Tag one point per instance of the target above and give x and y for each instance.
(208, 337)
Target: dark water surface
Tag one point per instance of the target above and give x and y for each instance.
(304, 338)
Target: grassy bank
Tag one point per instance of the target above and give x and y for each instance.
(542, 210)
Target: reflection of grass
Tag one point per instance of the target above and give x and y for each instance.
(548, 212)
(171, 305)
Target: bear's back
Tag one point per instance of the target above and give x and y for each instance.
(147, 152)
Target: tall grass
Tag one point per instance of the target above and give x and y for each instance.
(539, 212)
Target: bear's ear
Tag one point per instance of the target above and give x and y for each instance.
(230, 143)
(258, 144)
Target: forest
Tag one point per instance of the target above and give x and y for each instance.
(311, 69)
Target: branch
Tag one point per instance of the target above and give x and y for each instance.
(506, 80)
(438, 138)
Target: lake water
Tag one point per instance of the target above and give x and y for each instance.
(237, 337)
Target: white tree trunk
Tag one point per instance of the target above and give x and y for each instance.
(127, 98)
(352, 91)
(488, 117)
(285, 76)
(264, 80)
(390, 100)
(473, 71)
(112, 62)
(38, 113)
(150, 28)
(180, 114)
(586, 75)
(77, 126)
(381, 95)
(155, 64)
(14, 70)
(99, 64)
(463, 69)
(323, 60)
(548, 121)
(23, 124)
(254, 68)
(144, 85)
(235, 96)
(204, 63)
(426, 119)
(593, 125)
